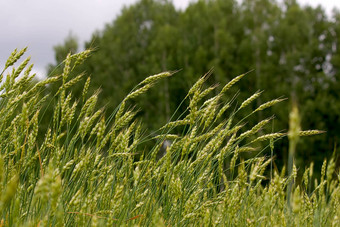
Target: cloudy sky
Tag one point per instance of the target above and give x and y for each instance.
(41, 24)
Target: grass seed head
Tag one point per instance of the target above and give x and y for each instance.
(14, 57)
(250, 99)
(268, 104)
(231, 83)
(154, 78)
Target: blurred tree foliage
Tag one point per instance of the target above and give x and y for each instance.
(293, 50)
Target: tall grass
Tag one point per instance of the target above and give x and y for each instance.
(93, 171)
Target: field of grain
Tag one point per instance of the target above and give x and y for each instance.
(92, 170)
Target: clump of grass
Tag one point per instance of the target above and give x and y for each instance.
(93, 171)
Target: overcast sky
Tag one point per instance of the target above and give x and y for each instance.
(42, 24)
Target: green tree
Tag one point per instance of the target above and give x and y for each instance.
(293, 51)
(302, 42)
(137, 44)
(70, 45)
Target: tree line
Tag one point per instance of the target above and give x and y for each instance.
(289, 50)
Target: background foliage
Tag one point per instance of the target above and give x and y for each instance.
(293, 50)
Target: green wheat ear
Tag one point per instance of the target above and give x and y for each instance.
(14, 57)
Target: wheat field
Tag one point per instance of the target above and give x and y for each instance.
(92, 170)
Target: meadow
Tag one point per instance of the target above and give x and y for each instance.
(92, 170)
